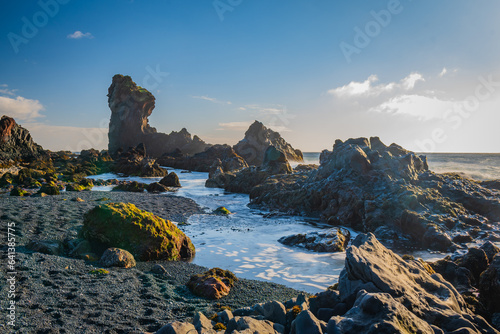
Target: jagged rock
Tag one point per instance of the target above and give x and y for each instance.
(203, 324)
(250, 325)
(460, 277)
(489, 286)
(177, 327)
(332, 240)
(213, 284)
(378, 313)
(307, 323)
(116, 257)
(145, 235)
(222, 156)
(256, 141)
(275, 162)
(490, 250)
(16, 142)
(135, 162)
(156, 187)
(273, 311)
(171, 180)
(476, 261)
(131, 105)
(372, 267)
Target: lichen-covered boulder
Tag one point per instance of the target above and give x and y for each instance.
(18, 192)
(213, 284)
(145, 235)
(49, 189)
(116, 257)
(134, 186)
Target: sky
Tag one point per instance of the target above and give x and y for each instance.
(423, 74)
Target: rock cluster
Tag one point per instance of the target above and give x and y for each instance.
(135, 162)
(256, 141)
(131, 105)
(371, 187)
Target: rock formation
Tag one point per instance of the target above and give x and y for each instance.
(371, 187)
(256, 141)
(16, 142)
(131, 105)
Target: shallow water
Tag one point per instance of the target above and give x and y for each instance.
(246, 243)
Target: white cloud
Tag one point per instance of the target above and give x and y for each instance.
(234, 126)
(211, 99)
(368, 89)
(275, 109)
(443, 72)
(20, 108)
(78, 35)
(422, 107)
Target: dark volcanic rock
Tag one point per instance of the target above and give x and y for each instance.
(256, 141)
(171, 180)
(275, 162)
(401, 287)
(222, 156)
(367, 185)
(135, 162)
(131, 105)
(16, 142)
(489, 286)
(334, 240)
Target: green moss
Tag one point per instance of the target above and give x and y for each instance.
(222, 211)
(407, 257)
(145, 235)
(99, 271)
(296, 310)
(75, 187)
(103, 199)
(18, 192)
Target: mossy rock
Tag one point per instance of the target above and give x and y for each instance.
(18, 192)
(6, 180)
(133, 186)
(222, 211)
(99, 271)
(49, 189)
(75, 187)
(145, 235)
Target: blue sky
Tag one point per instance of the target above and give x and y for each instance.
(414, 78)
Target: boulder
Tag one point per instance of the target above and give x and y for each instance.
(213, 284)
(490, 250)
(307, 323)
(177, 327)
(135, 162)
(489, 286)
(203, 324)
(156, 187)
(131, 105)
(476, 261)
(145, 235)
(116, 257)
(250, 325)
(49, 189)
(131, 186)
(256, 141)
(274, 311)
(332, 240)
(171, 180)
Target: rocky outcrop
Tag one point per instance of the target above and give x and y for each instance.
(16, 142)
(146, 236)
(256, 141)
(131, 105)
(378, 282)
(371, 187)
(214, 157)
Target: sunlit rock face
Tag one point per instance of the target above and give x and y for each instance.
(131, 105)
(16, 142)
